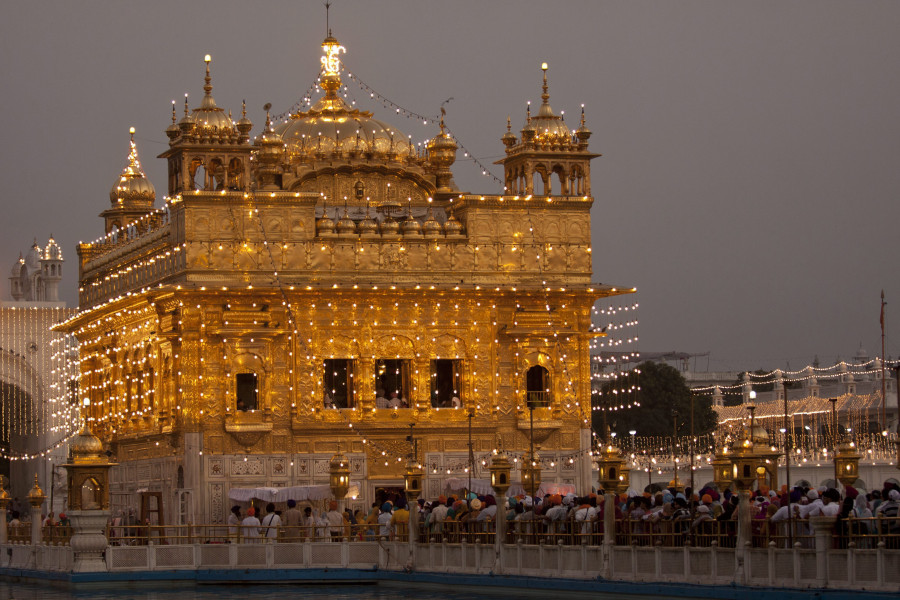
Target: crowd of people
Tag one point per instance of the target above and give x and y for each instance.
(573, 519)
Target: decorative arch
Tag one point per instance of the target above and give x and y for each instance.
(394, 346)
(449, 346)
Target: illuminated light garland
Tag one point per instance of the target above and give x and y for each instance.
(821, 374)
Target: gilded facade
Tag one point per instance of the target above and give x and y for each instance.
(325, 285)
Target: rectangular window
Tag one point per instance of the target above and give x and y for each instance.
(392, 389)
(247, 391)
(337, 383)
(446, 376)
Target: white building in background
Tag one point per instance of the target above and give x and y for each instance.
(37, 402)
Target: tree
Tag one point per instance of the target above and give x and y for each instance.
(662, 391)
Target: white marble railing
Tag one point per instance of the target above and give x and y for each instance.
(820, 568)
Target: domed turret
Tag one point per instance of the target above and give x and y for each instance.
(549, 127)
(173, 131)
(34, 256)
(582, 133)
(269, 155)
(212, 124)
(244, 125)
(547, 152)
(17, 266)
(442, 154)
(331, 127)
(133, 189)
(187, 123)
(509, 138)
(52, 251)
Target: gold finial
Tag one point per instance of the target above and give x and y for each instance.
(133, 168)
(267, 107)
(508, 124)
(546, 95)
(187, 109)
(582, 115)
(528, 113)
(327, 17)
(173, 112)
(207, 87)
(243, 109)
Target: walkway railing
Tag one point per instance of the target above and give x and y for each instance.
(859, 533)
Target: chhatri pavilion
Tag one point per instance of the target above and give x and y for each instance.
(324, 287)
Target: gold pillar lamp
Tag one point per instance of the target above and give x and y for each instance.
(846, 461)
(339, 475)
(412, 480)
(531, 473)
(613, 473)
(500, 469)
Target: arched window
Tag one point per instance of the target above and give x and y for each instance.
(537, 387)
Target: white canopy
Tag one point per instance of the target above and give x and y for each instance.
(483, 487)
(283, 494)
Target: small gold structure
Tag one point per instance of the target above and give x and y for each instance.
(744, 461)
(846, 460)
(87, 472)
(614, 475)
(721, 466)
(295, 280)
(500, 470)
(5, 498)
(412, 480)
(339, 475)
(36, 495)
(531, 473)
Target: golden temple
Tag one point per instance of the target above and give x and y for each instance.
(325, 286)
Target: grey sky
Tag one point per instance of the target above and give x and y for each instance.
(751, 149)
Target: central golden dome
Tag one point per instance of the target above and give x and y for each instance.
(333, 127)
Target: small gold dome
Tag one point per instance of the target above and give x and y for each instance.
(452, 226)
(36, 495)
(411, 226)
(389, 227)
(346, 225)
(209, 119)
(325, 224)
(431, 227)
(368, 225)
(85, 446)
(132, 188)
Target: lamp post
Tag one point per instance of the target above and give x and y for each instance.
(787, 470)
(834, 433)
(36, 498)
(675, 483)
(339, 477)
(691, 447)
(613, 474)
(500, 468)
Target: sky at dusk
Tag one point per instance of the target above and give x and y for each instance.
(751, 150)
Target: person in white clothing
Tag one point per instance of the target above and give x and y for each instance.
(250, 527)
